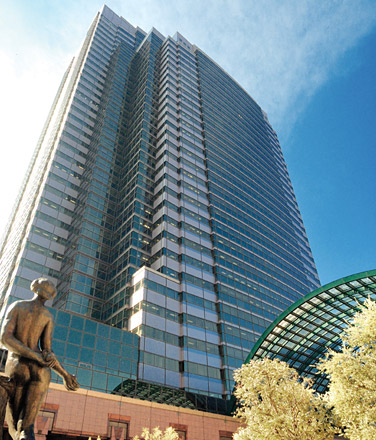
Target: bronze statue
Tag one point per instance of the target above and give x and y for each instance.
(26, 333)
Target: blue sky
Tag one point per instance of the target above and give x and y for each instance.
(310, 64)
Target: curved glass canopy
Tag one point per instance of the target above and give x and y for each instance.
(303, 333)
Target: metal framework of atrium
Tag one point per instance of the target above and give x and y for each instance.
(171, 396)
(305, 331)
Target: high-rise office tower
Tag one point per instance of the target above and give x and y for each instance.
(159, 202)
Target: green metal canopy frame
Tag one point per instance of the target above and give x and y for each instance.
(303, 333)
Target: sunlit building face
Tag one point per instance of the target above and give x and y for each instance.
(160, 204)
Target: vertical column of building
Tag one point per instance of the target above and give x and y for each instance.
(181, 246)
(59, 200)
(154, 296)
(258, 266)
(134, 213)
(36, 239)
(83, 286)
(302, 243)
(201, 360)
(154, 305)
(85, 268)
(77, 143)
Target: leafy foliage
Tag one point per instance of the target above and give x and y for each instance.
(276, 404)
(352, 373)
(157, 434)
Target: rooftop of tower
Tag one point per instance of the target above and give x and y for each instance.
(178, 37)
(119, 21)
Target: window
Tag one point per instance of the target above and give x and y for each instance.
(44, 422)
(225, 435)
(118, 430)
(181, 430)
(182, 434)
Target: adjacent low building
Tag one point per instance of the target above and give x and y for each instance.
(87, 413)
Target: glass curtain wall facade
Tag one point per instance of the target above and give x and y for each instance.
(159, 202)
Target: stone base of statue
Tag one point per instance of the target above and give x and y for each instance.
(7, 388)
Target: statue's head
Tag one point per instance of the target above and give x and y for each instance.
(43, 288)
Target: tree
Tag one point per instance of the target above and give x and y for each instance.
(276, 404)
(157, 434)
(352, 374)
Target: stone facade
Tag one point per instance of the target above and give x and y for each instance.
(88, 413)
